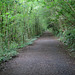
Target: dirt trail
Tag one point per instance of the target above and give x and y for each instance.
(46, 56)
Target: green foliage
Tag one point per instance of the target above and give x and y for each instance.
(6, 55)
(19, 21)
(22, 20)
(62, 21)
(70, 38)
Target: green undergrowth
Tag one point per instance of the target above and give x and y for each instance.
(8, 54)
(68, 38)
(30, 41)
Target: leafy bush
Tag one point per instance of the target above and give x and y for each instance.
(13, 45)
(70, 38)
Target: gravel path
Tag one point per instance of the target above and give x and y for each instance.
(46, 56)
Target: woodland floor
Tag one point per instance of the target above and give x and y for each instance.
(46, 56)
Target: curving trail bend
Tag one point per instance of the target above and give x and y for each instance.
(46, 56)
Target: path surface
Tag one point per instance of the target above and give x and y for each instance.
(46, 56)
